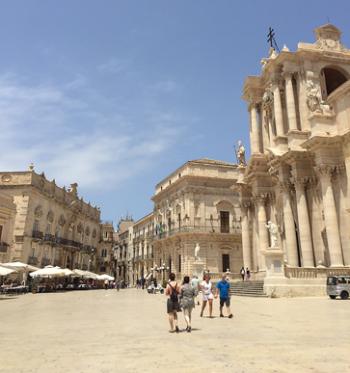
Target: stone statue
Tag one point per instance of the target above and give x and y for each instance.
(273, 229)
(314, 99)
(241, 154)
(196, 252)
(313, 95)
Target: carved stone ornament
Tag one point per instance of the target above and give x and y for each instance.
(94, 233)
(87, 231)
(38, 212)
(328, 38)
(6, 178)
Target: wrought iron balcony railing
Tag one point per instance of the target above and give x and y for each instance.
(197, 229)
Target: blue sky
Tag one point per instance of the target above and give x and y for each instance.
(117, 94)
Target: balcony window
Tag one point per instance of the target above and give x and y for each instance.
(224, 222)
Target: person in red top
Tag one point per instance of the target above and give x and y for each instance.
(172, 291)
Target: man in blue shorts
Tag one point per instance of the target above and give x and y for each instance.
(223, 289)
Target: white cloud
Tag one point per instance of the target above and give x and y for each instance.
(62, 130)
(113, 65)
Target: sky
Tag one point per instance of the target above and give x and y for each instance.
(115, 95)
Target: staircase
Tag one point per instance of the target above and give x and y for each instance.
(248, 289)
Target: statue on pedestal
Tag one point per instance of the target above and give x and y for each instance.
(273, 229)
(240, 154)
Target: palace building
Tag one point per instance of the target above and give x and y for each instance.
(298, 175)
(198, 204)
(47, 225)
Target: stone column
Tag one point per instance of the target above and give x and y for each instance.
(277, 105)
(265, 129)
(330, 215)
(289, 227)
(292, 116)
(304, 224)
(246, 248)
(255, 238)
(263, 234)
(254, 133)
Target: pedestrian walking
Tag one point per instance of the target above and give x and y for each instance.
(195, 285)
(242, 272)
(172, 290)
(247, 274)
(106, 284)
(187, 296)
(206, 287)
(223, 291)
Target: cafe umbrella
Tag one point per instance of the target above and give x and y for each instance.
(20, 267)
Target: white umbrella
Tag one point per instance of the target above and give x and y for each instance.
(91, 275)
(85, 274)
(20, 266)
(48, 271)
(6, 271)
(68, 272)
(105, 277)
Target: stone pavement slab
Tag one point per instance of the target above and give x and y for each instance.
(127, 331)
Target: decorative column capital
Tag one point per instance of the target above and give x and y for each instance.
(285, 186)
(325, 170)
(329, 171)
(254, 103)
(300, 182)
(287, 75)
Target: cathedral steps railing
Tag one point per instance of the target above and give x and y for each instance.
(309, 273)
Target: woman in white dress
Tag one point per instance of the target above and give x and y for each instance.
(206, 287)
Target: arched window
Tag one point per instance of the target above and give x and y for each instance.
(331, 79)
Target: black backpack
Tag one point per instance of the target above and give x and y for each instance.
(174, 295)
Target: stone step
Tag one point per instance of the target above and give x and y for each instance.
(248, 289)
(250, 295)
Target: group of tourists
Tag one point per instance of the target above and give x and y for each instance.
(183, 297)
(245, 274)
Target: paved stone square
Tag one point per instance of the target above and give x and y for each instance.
(127, 331)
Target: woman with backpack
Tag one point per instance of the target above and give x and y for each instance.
(187, 296)
(172, 290)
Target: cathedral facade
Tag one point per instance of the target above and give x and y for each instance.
(298, 175)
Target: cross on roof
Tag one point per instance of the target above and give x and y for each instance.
(271, 39)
